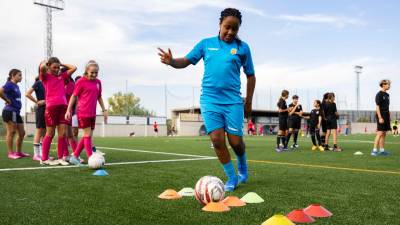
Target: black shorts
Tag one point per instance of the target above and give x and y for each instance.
(11, 116)
(385, 126)
(39, 117)
(294, 123)
(283, 123)
(395, 127)
(156, 130)
(331, 123)
(323, 126)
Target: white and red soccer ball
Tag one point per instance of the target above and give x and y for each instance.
(209, 189)
(96, 161)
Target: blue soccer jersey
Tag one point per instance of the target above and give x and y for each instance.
(12, 92)
(222, 64)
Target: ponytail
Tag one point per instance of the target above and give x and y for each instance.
(12, 73)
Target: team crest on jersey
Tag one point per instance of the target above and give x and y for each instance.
(233, 51)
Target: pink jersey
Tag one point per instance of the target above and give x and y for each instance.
(87, 91)
(69, 89)
(54, 87)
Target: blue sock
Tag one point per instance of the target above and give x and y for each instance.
(229, 170)
(242, 161)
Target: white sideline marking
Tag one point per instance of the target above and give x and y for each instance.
(142, 151)
(107, 164)
(152, 152)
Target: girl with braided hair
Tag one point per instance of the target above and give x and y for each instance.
(220, 101)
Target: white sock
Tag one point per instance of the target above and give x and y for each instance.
(36, 149)
(374, 150)
(382, 150)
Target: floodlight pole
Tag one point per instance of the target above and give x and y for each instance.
(49, 5)
(358, 71)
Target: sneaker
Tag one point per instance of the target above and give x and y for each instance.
(74, 161)
(314, 147)
(374, 153)
(231, 184)
(12, 155)
(277, 149)
(62, 162)
(36, 158)
(383, 153)
(326, 148)
(49, 162)
(337, 149)
(321, 148)
(285, 149)
(296, 146)
(22, 154)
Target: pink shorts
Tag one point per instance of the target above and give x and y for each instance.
(85, 122)
(55, 115)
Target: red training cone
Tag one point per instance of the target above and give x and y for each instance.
(316, 210)
(299, 216)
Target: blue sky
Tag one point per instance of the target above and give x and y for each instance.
(306, 46)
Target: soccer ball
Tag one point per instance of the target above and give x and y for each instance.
(209, 189)
(96, 161)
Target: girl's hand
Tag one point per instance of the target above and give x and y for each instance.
(68, 115)
(381, 120)
(166, 57)
(41, 102)
(8, 101)
(105, 115)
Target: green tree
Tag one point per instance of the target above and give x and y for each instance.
(127, 104)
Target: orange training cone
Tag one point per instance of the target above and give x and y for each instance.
(299, 216)
(233, 201)
(216, 207)
(278, 220)
(316, 210)
(170, 194)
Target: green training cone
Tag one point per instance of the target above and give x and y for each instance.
(252, 197)
(278, 220)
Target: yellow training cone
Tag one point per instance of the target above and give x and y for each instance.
(216, 207)
(278, 220)
(170, 194)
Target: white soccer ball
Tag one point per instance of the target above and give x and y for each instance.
(209, 189)
(96, 161)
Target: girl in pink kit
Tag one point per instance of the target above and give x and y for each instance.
(88, 92)
(72, 140)
(56, 106)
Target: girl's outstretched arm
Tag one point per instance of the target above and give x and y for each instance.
(178, 63)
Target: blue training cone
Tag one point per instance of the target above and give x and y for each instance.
(100, 173)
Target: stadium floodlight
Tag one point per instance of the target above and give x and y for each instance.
(358, 70)
(49, 5)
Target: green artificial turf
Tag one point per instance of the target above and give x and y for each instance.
(129, 194)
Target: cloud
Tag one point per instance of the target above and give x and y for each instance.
(337, 21)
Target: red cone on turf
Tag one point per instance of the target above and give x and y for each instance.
(316, 210)
(299, 216)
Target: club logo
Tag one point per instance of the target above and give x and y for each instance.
(233, 51)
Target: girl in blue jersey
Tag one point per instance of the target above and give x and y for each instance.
(11, 94)
(220, 101)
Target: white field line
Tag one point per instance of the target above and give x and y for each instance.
(107, 164)
(141, 151)
(152, 152)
